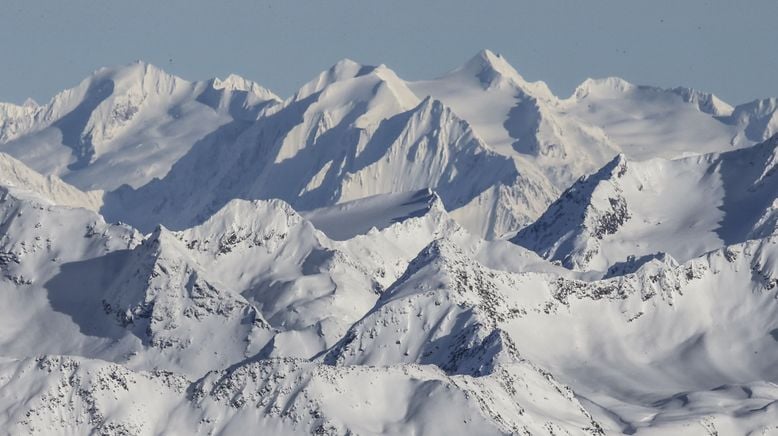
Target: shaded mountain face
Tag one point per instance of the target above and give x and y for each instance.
(463, 255)
(630, 211)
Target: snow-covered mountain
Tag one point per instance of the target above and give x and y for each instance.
(520, 119)
(356, 131)
(469, 254)
(757, 120)
(126, 124)
(352, 132)
(629, 212)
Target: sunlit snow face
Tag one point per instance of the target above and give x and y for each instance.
(374, 256)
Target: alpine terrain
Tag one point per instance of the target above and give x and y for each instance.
(469, 254)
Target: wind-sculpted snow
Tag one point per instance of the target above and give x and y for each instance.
(375, 256)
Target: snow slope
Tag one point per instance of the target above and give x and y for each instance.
(346, 220)
(649, 122)
(339, 262)
(520, 119)
(125, 124)
(630, 211)
(757, 120)
(669, 349)
(18, 177)
(353, 132)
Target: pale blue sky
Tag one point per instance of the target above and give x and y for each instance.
(723, 46)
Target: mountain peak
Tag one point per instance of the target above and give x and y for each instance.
(138, 70)
(616, 87)
(234, 82)
(492, 70)
(617, 166)
(30, 103)
(107, 81)
(344, 69)
(487, 58)
(705, 102)
(346, 63)
(605, 86)
(489, 67)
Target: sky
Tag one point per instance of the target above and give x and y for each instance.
(722, 46)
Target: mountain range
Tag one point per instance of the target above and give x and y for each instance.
(469, 254)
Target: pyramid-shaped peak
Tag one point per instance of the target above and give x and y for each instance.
(492, 71)
(486, 64)
(489, 57)
(429, 104)
(616, 168)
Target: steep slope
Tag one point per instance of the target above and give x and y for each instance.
(566, 138)
(445, 311)
(174, 305)
(308, 288)
(103, 291)
(439, 312)
(388, 247)
(197, 299)
(18, 177)
(353, 132)
(648, 352)
(757, 120)
(255, 278)
(124, 125)
(69, 395)
(312, 289)
(630, 211)
(38, 241)
(332, 141)
(520, 119)
(641, 301)
(16, 120)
